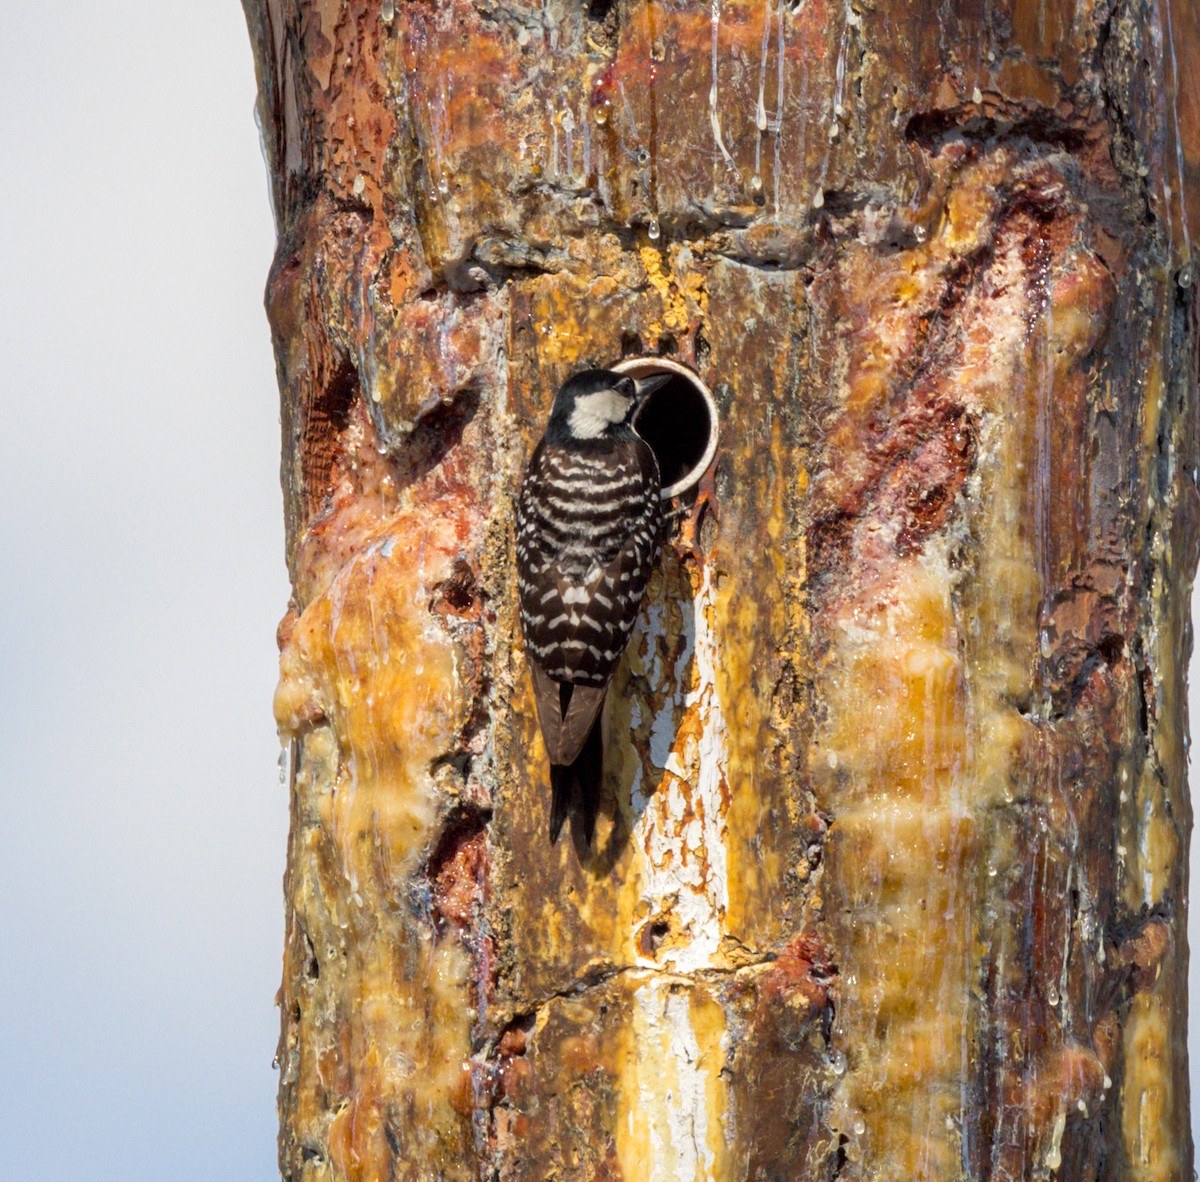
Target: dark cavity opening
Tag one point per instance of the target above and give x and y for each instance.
(678, 422)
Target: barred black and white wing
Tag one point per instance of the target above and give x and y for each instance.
(588, 524)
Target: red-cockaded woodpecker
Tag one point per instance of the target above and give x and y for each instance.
(588, 524)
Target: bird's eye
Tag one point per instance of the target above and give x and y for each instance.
(627, 387)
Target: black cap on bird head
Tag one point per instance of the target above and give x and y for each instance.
(598, 402)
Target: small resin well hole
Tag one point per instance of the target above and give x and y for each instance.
(678, 421)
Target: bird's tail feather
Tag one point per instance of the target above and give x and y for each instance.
(578, 784)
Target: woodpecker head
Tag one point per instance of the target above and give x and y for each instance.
(598, 402)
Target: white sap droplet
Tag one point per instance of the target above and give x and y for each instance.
(860, 1127)
(360, 183)
(523, 37)
(837, 1061)
(387, 10)
(976, 95)
(653, 230)
(600, 114)
(756, 183)
(819, 199)
(1054, 1157)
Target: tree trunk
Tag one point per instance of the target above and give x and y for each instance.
(890, 874)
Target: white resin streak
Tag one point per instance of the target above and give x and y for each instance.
(714, 116)
(686, 871)
(673, 1106)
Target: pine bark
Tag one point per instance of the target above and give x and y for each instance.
(890, 877)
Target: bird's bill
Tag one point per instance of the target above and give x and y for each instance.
(644, 387)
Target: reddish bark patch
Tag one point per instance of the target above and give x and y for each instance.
(457, 872)
(436, 434)
(514, 1073)
(798, 975)
(327, 417)
(921, 469)
(459, 603)
(459, 595)
(1143, 954)
(917, 495)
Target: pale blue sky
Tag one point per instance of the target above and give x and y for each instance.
(141, 581)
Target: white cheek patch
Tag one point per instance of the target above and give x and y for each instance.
(595, 413)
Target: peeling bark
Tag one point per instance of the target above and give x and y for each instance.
(890, 874)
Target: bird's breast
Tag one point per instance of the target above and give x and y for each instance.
(588, 503)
